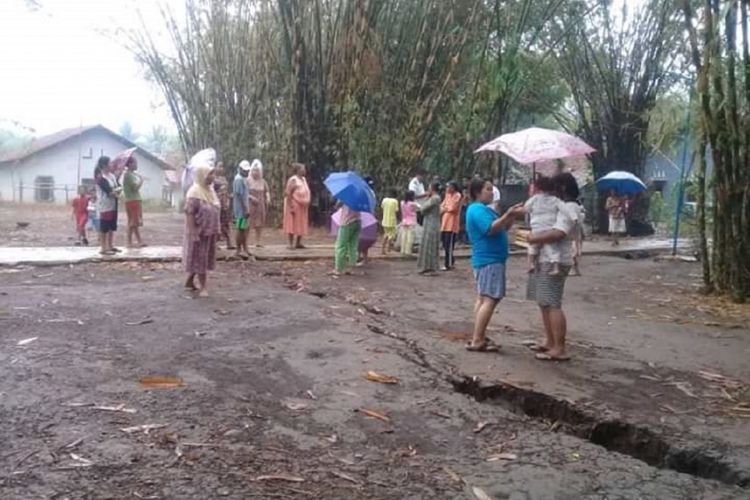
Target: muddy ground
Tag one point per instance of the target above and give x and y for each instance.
(274, 403)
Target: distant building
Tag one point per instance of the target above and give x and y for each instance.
(662, 171)
(51, 167)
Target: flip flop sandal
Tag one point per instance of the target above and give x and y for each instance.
(543, 356)
(484, 347)
(534, 346)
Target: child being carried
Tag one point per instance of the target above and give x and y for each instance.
(543, 208)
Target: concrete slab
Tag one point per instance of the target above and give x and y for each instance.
(54, 256)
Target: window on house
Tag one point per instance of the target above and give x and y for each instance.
(44, 188)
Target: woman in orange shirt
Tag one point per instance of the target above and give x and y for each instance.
(450, 211)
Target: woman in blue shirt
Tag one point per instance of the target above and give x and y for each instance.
(489, 250)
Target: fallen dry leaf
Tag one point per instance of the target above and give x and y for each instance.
(480, 493)
(120, 408)
(480, 427)
(378, 377)
(145, 428)
(344, 476)
(502, 456)
(144, 321)
(454, 477)
(295, 406)
(280, 477)
(375, 414)
(27, 341)
(161, 382)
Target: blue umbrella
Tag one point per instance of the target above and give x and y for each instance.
(351, 190)
(622, 182)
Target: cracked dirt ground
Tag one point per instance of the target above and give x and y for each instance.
(274, 403)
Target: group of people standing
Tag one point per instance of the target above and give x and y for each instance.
(103, 207)
(213, 206)
(245, 206)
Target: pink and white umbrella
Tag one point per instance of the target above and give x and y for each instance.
(121, 159)
(537, 144)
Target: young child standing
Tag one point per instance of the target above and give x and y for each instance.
(347, 241)
(409, 209)
(390, 209)
(543, 208)
(81, 214)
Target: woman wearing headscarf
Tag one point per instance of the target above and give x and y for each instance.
(260, 198)
(202, 228)
(296, 206)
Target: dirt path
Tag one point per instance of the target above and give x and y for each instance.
(53, 226)
(274, 395)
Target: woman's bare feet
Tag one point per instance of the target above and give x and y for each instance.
(190, 284)
(549, 356)
(203, 293)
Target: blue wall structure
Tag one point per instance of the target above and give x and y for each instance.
(659, 169)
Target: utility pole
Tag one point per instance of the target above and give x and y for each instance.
(684, 171)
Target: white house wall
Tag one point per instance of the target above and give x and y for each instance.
(62, 163)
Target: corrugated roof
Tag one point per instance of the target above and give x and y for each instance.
(46, 142)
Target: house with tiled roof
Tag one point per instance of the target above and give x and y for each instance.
(50, 168)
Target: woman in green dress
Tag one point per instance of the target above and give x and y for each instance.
(429, 247)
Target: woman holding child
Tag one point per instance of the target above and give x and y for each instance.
(550, 260)
(546, 281)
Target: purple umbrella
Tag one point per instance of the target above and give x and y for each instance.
(369, 230)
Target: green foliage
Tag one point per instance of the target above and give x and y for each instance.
(11, 139)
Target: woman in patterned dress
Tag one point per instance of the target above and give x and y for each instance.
(202, 228)
(221, 186)
(429, 247)
(260, 198)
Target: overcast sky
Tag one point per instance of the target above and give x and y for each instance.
(57, 70)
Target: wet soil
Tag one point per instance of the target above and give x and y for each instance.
(274, 403)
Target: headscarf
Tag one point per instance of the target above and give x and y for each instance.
(200, 189)
(257, 165)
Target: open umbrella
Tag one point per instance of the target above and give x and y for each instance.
(369, 223)
(121, 159)
(622, 182)
(537, 144)
(351, 190)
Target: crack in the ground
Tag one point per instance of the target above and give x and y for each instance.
(636, 441)
(620, 436)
